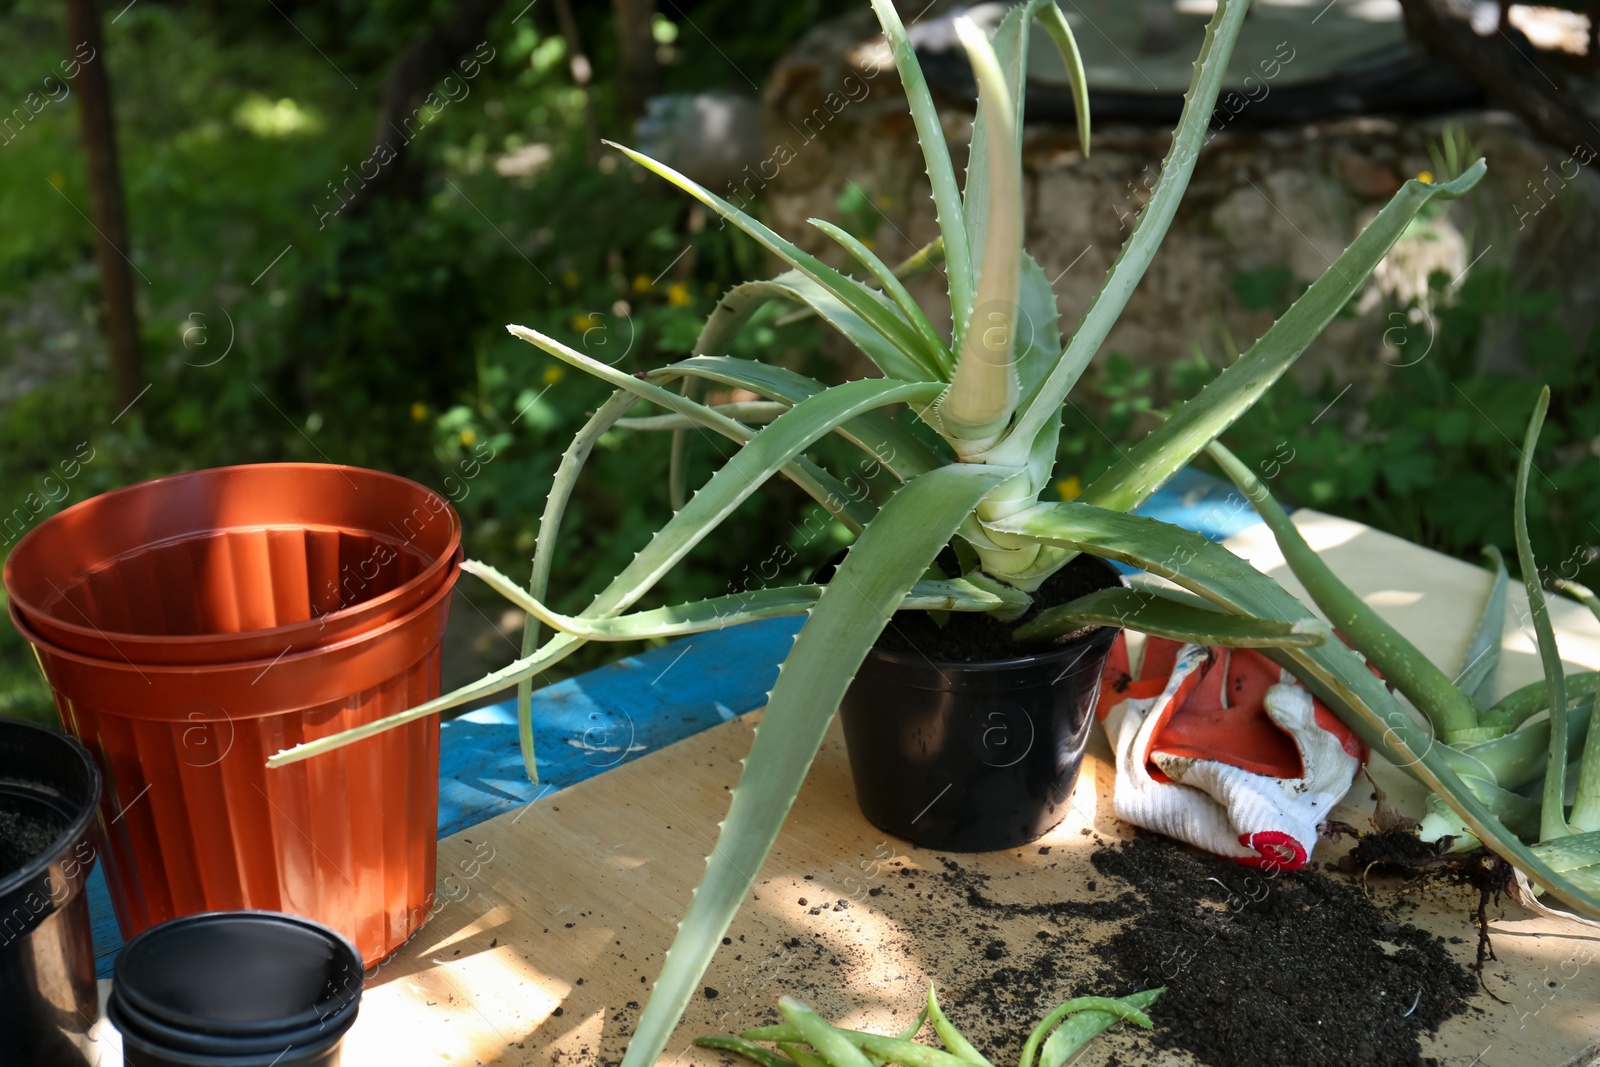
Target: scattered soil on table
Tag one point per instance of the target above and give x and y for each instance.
(24, 835)
(1261, 969)
(969, 637)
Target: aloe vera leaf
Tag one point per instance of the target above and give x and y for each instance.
(1581, 593)
(1519, 757)
(983, 391)
(1519, 705)
(1055, 24)
(678, 459)
(1154, 611)
(834, 1046)
(923, 259)
(1553, 822)
(749, 412)
(1332, 671)
(1078, 1021)
(1146, 467)
(765, 453)
(953, 1039)
(553, 651)
(555, 506)
(954, 594)
(905, 1053)
(776, 1032)
(1011, 50)
(891, 555)
(878, 311)
(878, 1048)
(1146, 238)
(878, 434)
(1480, 667)
(1038, 333)
(1414, 674)
(1518, 813)
(818, 483)
(1570, 852)
(739, 1046)
(936, 156)
(733, 311)
(916, 1025)
(1218, 576)
(932, 343)
(742, 301)
(750, 467)
(802, 1056)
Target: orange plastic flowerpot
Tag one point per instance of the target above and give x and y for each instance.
(233, 564)
(196, 822)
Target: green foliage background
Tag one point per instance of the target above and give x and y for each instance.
(378, 340)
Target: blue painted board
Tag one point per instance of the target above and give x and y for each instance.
(588, 724)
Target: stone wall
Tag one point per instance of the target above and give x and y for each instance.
(1286, 198)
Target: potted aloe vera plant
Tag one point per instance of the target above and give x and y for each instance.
(989, 387)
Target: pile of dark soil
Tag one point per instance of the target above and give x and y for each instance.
(1269, 969)
(969, 637)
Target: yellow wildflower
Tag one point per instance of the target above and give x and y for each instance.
(678, 295)
(641, 284)
(1069, 488)
(584, 321)
(1426, 177)
(468, 438)
(419, 411)
(552, 375)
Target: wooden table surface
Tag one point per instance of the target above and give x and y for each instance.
(553, 919)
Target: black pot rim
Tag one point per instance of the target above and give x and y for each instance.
(79, 822)
(144, 1006)
(1047, 655)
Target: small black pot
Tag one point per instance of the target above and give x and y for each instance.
(235, 989)
(973, 757)
(49, 787)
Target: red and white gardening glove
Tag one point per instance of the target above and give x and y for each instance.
(1224, 749)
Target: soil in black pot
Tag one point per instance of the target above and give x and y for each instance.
(27, 830)
(971, 637)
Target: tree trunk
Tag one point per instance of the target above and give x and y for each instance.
(1509, 79)
(441, 51)
(640, 76)
(582, 74)
(119, 317)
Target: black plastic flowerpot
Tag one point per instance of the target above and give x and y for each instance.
(972, 757)
(49, 787)
(235, 989)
